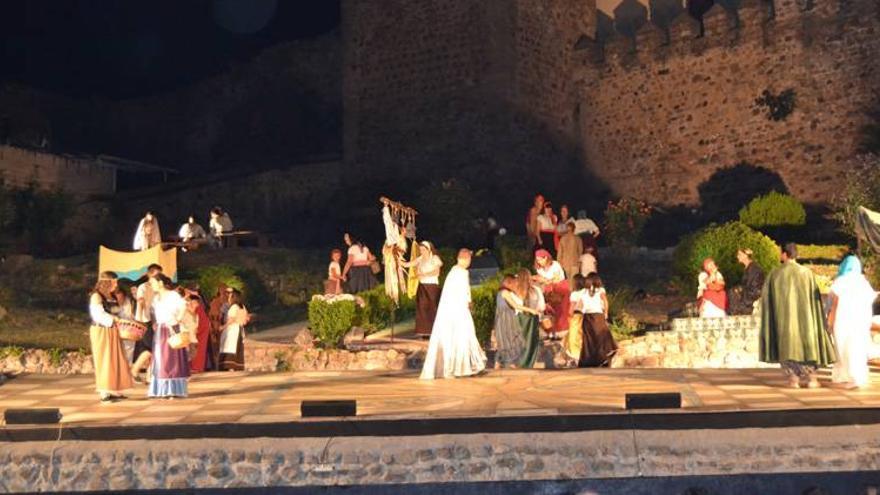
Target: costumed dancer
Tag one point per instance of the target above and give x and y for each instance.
(793, 323)
(232, 338)
(533, 233)
(203, 333)
(598, 342)
(427, 273)
(551, 277)
(356, 274)
(516, 325)
(547, 230)
(573, 343)
(143, 349)
(170, 366)
(454, 350)
(852, 303)
(711, 297)
(571, 247)
(112, 374)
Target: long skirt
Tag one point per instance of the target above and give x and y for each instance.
(574, 339)
(200, 359)
(599, 346)
(557, 298)
(231, 361)
(360, 279)
(170, 366)
(548, 242)
(112, 371)
(427, 300)
(530, 331)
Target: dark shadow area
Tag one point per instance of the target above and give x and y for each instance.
(629, 16)
(667, 226)
(731, 188)
(664, 11)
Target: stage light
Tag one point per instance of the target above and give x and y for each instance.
(654, 401)
(46, 416)
(326, 408)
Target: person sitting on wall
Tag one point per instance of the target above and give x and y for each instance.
(192, 234)
(742, 297)
(711, 298)
(219, 225)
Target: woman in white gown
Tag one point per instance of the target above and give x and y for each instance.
(852, 300)
(454, 350)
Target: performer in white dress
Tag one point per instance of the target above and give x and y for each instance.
(852, 299)
(454, 350)
(147, 234)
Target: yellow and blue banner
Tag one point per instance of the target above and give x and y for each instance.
(131, 265)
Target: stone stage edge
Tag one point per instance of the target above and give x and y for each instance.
(239, 430)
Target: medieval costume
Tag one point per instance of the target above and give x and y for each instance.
(425, 270)
(598, 345)
(850, 319)
(743, 297)
(516, 331)
(232, 338)
(112, 373)
(454, 350)
(711, 297)
(170, 366)
(570, 250)
(587, 230)
(147, 234)
(392, 253)
(203, 335)
(547, 232)
(359, 276)
(793, 323)
(557, 290)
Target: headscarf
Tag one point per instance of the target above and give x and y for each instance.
(543, 253)
(850, 264)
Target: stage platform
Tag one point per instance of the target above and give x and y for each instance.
(551, 400)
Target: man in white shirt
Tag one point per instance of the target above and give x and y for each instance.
(220, 224)
(143, 349)
(191, 232)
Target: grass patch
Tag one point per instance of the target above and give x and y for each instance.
(34, 328)
(827, 253)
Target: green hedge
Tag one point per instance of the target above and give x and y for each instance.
(330, 322)
(512, 252)
(483, 309)
(377, 311)
(720, 242)
(773, 210)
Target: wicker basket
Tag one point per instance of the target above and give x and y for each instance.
(179, 340)
(130, 329)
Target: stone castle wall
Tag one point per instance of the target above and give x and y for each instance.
(659, 117)
(504, 91)
(21, 167)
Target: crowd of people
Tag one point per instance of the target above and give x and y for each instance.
(190, 235)
(155, 332)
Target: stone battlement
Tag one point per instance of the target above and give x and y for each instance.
(764, 21)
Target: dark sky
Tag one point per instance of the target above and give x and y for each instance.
(127, 48)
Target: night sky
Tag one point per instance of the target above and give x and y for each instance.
(129, 48)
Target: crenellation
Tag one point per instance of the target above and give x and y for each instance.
(718, 22)
(650, 39)
(620, 50)
(683, 29)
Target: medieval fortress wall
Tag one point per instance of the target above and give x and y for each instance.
(525, 86)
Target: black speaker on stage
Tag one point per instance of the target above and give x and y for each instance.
(325, 408)
(48, 416)
(670, 400)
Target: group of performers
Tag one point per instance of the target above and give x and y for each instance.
(169, 331)
(797, 330)
(190, 235)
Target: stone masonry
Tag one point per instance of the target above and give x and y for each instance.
(520, 87)
(235, 463)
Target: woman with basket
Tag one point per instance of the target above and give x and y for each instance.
(112, 374)
(170, 343)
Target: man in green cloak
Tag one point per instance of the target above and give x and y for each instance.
(793, 323)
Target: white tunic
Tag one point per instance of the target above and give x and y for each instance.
(454, 349)
(236, 318)
(852, 328)
(168, 308)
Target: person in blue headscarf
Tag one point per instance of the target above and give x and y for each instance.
(852, 303)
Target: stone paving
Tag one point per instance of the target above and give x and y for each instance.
(270, 397)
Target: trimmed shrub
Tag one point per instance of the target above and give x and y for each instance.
(330, 322)
(512, 252)
(379, 312)
(720, 242)
(773, 210)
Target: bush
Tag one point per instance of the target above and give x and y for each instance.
(625, 220)
(483, 309)
(720, 242)
(245, 280)
(773, 210)
(330, 322)
(862, 189)
(379, 311)
(34, 217)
